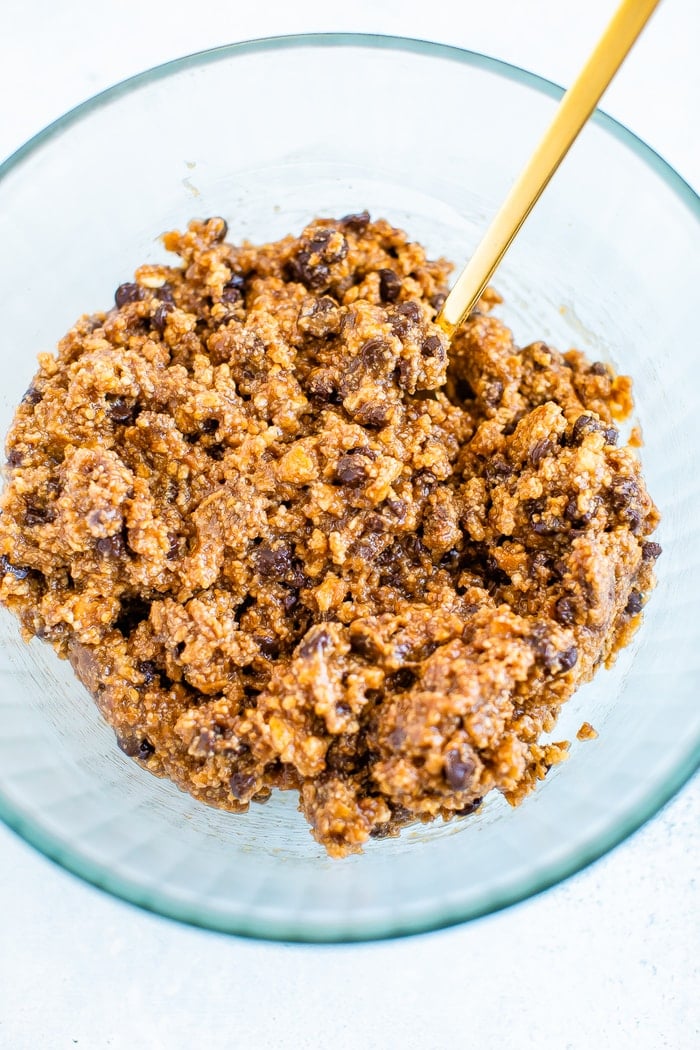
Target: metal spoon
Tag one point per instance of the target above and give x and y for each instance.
(574, 110)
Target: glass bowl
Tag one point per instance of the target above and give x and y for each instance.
(269, 134)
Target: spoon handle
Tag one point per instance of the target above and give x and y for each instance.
(574, 110)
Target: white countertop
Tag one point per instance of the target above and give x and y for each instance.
(608, 959)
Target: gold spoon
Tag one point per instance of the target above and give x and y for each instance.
(574, 110)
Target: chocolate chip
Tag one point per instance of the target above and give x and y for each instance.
(209, 426)
(512, 423)
(372, 415)
(572, 513)
(36, 515)
(273, 564)
(325, 246)
(584, 425)
(32, 396)
(587, 425)
(315, 641)
(458, 771)
(299, 271)
(547, 526)
(375, 525)
(174, 548)
(290, 600)
(497, 470)
(338, 253)
(410, 310)
(128, 293)
(160, 315)
(232, 291)
(269, 647)
(564, 611)
(403, 373)
(111, 546)
(297, 578)
(598, 369)
(222, 227)
(165, 293)
(398, 509)
(438, 300)
(623, 491)
(319, 240)
(450, 560)
(340, 759)
(470, 807)
(400, 326)
(363, 450)
(320, 317)
(389, 285)
(375, 353)
(322, 384)
(625, 498)
(14, 458)
(651, 551)
(146, 749)
(135, 748)
(558, 569)
(432, 347)
(121, 410)
(18, 571)
(241, 786)
(534, 506)
(351, 469)
(315, 277)
(149, 670)
(402, 679)
(363, 643)
(634, 603)
(382, 831)
(357, 221)
(567, 659)
(634, 520)
(540, 451)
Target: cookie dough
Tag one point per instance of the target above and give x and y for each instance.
(291, 538)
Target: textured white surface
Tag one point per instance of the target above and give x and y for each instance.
(607, 959)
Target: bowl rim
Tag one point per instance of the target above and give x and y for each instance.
(442, 915)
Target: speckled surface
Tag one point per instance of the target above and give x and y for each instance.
(608, 958)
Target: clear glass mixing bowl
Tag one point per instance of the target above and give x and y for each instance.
(270, 134)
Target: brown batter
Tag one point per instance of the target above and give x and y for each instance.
(288, 537)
